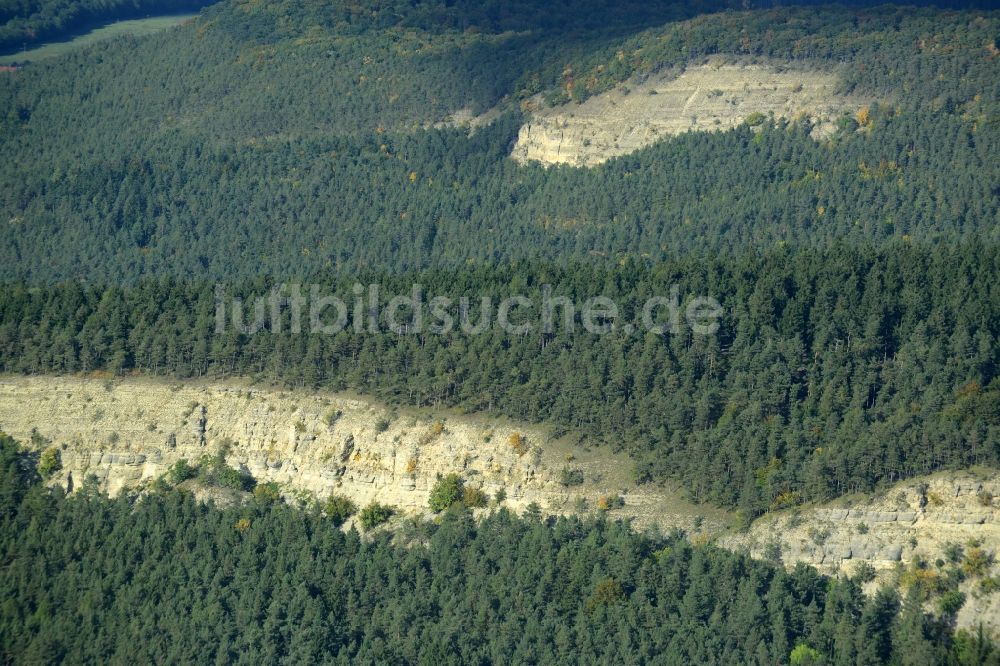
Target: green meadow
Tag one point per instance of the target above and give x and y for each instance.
(134, 27)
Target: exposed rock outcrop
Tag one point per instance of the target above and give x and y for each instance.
(129, 432)
(710, 97)
(126, 433)
(914, 519)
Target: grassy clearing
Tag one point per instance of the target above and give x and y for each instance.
(135, 27)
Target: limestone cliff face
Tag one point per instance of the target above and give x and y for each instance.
(711, 97)
(129, 432)
(914, 519)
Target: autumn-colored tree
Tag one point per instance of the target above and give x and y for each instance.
(864, 116)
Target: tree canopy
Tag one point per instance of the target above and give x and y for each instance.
(167, 579)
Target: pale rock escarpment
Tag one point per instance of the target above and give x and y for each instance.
(907, 521)
(914, 519)
(130, 432)
(709, 97)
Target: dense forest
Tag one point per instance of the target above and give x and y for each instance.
(831, 371)
(406, 203)
(303, 147)
(313, 141)
(165, 579)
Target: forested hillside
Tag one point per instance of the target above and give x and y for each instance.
(165, 579)
(293, 140)
(337, 143)
(831, 372)
(288, 138)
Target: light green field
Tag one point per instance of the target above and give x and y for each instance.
(136, 28)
